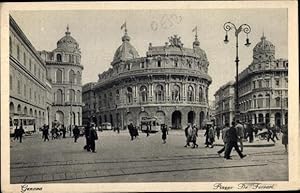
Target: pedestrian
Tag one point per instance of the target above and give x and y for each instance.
(240, 133)
(21, 132)
(211, 136)
(148, 129)
(164, 130)
(16, 133)
(250, 131)
(130, 129)
(93, 136)
(76, 133)
(285, 138)
(232, 142)
(194, 135)
(225, 138)
(188, 134)
(206, 136)
(87, 137)
(218, 132)
(52, 132)
(64, 130)
(46, 132)
(270, 133)
(70, 130)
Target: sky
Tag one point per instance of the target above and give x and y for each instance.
(99, 34)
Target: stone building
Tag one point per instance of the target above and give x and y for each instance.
(170, 84)
(263, 87)
(29, 88)
(89, 102)
(64, 71)
(224, 101)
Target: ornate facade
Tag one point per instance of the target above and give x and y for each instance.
(170, 83)
(263, 88)
(64, 71)
(29, 89)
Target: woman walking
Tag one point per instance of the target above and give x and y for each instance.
(285, 139)
(194, 135)
(164, 131)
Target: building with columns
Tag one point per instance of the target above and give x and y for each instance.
(44, 86)
(170, 84)
(29, 89)
(224, 101)
(64, 72)
(263, 88)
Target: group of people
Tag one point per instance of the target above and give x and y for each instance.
(231, 136)
(91, 136)
(18, 133)
(191, 134)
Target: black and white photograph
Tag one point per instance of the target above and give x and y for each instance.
(99, 94)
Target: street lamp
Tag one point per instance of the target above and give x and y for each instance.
(246, 29)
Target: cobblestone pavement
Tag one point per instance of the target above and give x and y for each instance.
(146, 159)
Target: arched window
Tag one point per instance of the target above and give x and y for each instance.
(159, 93)
(277, 102)
(158, 63)
(117, 95)
(176, 93)
(254, 101)
(190, 93)
(71, 95)
(59, 99)
(59, 76)
(129, 95)
(200, 94)
(78, 96)
(78, 77)
(72, 76)
(143, 93)
(260, 101)
(58, 57)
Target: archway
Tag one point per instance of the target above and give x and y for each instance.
(267, 118)
(260, 118)
(59, 116)
(191, 117)
(201, 119)
(19, 109)
(278, 119)
(176, 120)
(11, 108)
(160, 115)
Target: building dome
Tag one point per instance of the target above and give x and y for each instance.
(264, 46)
(126, 51)
(68, 43)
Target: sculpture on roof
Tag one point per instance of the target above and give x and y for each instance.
(175, 41)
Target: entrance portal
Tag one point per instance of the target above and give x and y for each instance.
(176, 120)
(191, 117)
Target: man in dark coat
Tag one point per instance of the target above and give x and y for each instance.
(76, 133)
(250, 132)
(232, 142)
(87, 140)
(164, 130)
(93, 136)
(21, 132)
(46, 132)
(130, 129)
(16, 133)
(64, 131)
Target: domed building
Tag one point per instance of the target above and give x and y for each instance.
(263, 87)
(168, 85)
(64, 71)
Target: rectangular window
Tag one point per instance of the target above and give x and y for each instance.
(25, 90)
(267, 83)
(34, 69)
(10, 45)
(18, 52)
(253, 84)
(259, 84)
(30, 93)
(158, 63)
(30, 64)
(277, 83)
(24, 58)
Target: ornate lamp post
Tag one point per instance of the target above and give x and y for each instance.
(246, 29)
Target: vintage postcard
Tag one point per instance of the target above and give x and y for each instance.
(149, 96)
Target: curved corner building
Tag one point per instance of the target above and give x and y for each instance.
(170, 83)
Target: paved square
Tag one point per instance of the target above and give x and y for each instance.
(145, 159)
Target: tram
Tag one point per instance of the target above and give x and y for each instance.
(27, 122)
